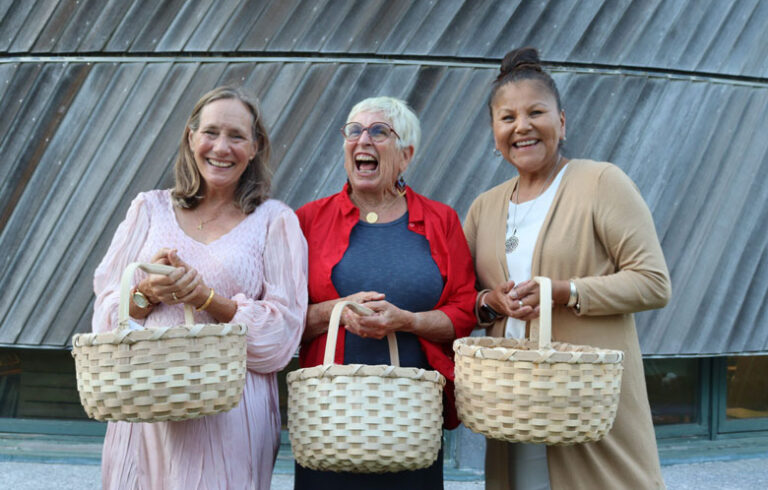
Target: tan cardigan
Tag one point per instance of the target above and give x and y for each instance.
(600, 233)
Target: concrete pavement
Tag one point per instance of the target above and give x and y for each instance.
(741, 474)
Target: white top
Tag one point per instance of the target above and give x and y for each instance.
(530, 217)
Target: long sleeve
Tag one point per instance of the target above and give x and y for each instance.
(276, 320)
(460, 304)
(624, 225)
(124, 249)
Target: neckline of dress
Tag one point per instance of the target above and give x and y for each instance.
(169, 204)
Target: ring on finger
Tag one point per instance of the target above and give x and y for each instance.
(174, 296)
(520, 303)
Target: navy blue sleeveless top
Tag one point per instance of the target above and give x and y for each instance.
(390, 259)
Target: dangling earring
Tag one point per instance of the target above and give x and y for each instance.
(400, 185)
(496, 152)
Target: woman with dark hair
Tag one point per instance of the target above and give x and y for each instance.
(404, 256)
(585, 225)
(240, 257)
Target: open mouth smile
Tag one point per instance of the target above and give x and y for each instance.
(525, 143)
(219, 163)
(366, 164)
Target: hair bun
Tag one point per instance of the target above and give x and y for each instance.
(520, 59)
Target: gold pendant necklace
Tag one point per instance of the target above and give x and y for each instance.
(371, 217)
(203, 223)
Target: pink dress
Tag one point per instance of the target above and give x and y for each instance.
(261, 265)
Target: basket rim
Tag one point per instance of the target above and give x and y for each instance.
(380, 370)
(125, 336)
(508, 349)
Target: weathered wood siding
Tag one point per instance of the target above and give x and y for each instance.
(93, 96)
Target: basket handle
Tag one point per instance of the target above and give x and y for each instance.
(125, 289)
(333, 332)
(541, 328)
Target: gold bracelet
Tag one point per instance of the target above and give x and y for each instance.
(207, 301)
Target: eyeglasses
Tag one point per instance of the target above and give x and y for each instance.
(378, 131)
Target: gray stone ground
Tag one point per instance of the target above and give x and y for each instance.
(742, 474)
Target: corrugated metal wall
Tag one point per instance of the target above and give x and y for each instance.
(94, 95)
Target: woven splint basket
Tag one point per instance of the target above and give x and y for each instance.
(364, 418)
(537, 391)
(159, 373)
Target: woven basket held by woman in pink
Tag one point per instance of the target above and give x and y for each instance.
(240, 258)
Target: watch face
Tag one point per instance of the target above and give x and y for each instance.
(489, 312)
(140, 300)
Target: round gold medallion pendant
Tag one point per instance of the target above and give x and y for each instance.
(371, 217)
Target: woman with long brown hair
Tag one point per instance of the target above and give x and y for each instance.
(239, 257)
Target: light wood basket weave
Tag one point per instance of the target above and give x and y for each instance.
(537, 391)
(161, 373)
(364, 418)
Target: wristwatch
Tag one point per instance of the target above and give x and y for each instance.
(489, 312)
(140, 300)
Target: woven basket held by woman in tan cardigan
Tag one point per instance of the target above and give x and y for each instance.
(596, 239)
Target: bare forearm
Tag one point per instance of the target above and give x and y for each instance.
(561, 292)
(432, 325)
(318, 316)
(221, 308)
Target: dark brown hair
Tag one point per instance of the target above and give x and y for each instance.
(254, 185)
(523, 64)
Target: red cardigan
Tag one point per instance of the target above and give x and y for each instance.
(327, 224)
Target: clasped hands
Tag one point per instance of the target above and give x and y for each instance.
(183, 285)
(386, 318)
(519, 301)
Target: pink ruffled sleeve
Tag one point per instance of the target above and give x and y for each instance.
(276, 321)
(124, 249)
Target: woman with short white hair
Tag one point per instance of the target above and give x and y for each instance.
(404, 256)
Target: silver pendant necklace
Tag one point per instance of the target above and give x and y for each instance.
(511, 243)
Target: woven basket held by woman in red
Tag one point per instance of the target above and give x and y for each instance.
(240, 258)
(404, 256)
(585, 225)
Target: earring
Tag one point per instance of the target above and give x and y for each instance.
(496, 152)
(400, 185)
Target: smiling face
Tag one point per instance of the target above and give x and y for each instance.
(372, 167)
(223, 144)
(527, 126)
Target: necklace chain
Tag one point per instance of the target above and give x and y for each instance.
(511, 243)
(202, 222)
(373, 216)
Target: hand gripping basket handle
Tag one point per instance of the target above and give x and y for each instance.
(333, 332)
(541, 328)
(125, 289)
